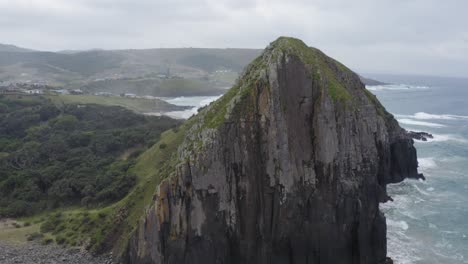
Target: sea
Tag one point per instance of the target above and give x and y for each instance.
(195, 102)
(428, 220)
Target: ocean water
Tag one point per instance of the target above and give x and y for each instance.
(428, 220)
(194, 101)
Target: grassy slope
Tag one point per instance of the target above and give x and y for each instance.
(12, 234)
(100, 229)
(140, 105)
(90, 227)
(155, 86)
(110, 227)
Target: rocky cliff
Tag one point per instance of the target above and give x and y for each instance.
(288, 167)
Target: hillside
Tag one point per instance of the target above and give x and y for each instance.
(371, 82)
(290, 164)
(138, 105)
(157, 70)
(12, 48)
(60, 155)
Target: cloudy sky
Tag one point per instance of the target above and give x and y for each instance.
(374, 36)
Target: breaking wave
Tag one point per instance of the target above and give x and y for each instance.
(445, 137)
(195, 101)
(395, 87)
(407, 121)
(427, 163)
(427, 116)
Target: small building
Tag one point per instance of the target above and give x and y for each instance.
(76, 91)
(130, 95)
(34, 91)
(60, 91)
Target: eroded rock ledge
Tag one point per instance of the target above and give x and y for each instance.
(288, 167)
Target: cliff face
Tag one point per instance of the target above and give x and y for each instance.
(288, 167)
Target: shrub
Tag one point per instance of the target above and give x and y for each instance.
(34, 236)
(60, 240)
(49, 225)
(102, 215)
(47, 241)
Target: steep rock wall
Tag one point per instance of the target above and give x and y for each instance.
(288, 167)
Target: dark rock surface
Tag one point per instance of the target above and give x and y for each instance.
(288, 167)
(423, 136)
(33, 253)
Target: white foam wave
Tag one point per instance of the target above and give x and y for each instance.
(445, 137)
(395, 87)
(401, 248)
(419, 123)
(427, 116)
(421, 192)
(427, 163)
(399, 224)
(196, 101)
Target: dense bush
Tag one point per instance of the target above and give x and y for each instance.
(57, 156)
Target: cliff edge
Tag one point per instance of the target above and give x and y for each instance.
(288, 167)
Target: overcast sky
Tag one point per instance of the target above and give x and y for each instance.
(374, 36)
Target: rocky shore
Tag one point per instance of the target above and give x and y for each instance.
(422, 136)
(34, 253)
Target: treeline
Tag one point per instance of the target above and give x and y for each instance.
(73, 154)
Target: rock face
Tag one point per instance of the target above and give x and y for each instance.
(288, 167)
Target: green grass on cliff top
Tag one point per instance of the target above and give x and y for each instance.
(323, 64)
(325, 69)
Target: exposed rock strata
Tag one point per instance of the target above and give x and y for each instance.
(288, 167)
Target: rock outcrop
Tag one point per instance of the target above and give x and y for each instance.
(423, 136)
(371, 82)
(288, 167)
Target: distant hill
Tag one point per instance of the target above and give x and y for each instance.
(157, 72)
(371, 82)
(211, 68)
(12, 48)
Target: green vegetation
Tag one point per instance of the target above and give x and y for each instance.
(134, 69)
(9, 232)
(90, 161)
(215, 114)
(140, 105)
(209, 62)
(100, 229)
(68, 155)
(227, 78)
(378, 106)
(155, 86)
(326, 68)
